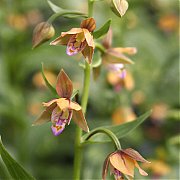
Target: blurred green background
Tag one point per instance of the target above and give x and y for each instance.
(150, 26)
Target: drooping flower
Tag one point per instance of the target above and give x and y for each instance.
(123, 162)
(79, 39)
(60, 111)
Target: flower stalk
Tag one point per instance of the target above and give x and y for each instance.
(84, 101)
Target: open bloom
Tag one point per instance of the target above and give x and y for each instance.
(79, 39)
(60, 111)
(123, 162)
(114, 58)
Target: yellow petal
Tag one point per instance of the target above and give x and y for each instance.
(123, 163)
(80, 120)
(75, 106)
(64, 86)
(89, 38)
(141, 171)
(49, 103)
(127, 50)
(63, 103)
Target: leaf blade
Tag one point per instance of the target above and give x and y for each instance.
(103, 30)
(15, 169)
(119, 130)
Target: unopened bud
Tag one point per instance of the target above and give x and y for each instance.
(119, 7)
(42, 33)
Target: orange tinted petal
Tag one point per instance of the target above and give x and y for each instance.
(63, 103)
(107, 41)
(45, 116)
(89, 38)
(141, 171)
(49, 103)
(105, 167)
(127, 50)
(75, 106)
(80, 120)
(112, 56)
(64, 86)
(89, 24)
(123, 164)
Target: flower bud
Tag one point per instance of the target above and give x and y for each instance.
(119, 7)
(42, 33)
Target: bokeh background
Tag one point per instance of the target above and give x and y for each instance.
(153, 83)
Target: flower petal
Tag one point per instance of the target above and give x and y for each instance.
(65, 36)
(112, 56)
(141, 171)
(134, 155)
(122, 163)
(64, 86)
(89, 24)
(107, 41)
(49, 103)
(105, 167)
(88, 53)
(89, 38)
(80, 120)
(63, 103)
(58, 128)
(75, 106)
(127, 50)
(45, 116)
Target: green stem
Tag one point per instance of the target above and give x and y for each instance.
(109, 133)
(84, 101)
(56, 15)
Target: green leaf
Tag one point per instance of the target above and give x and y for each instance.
(55, 8)
(119, 130)
(51, 88)
(16, 170)
(103, 30)
(75, 91)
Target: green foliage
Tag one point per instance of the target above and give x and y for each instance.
(16, 170)
(103, 30)
(119, 130)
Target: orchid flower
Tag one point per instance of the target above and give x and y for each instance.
(123, 162)
(79, 40)
(60, 111)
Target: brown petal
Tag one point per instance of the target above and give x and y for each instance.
(112, 56)
(107, 41)
(122, 163)
(64, 86)
(127, 50)
(80, 120)
(42, 33)
(89, 24)
(141, 171)
(105, 167)
(88, 53)
(65, 36)
(45, 116)
(134, 155)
